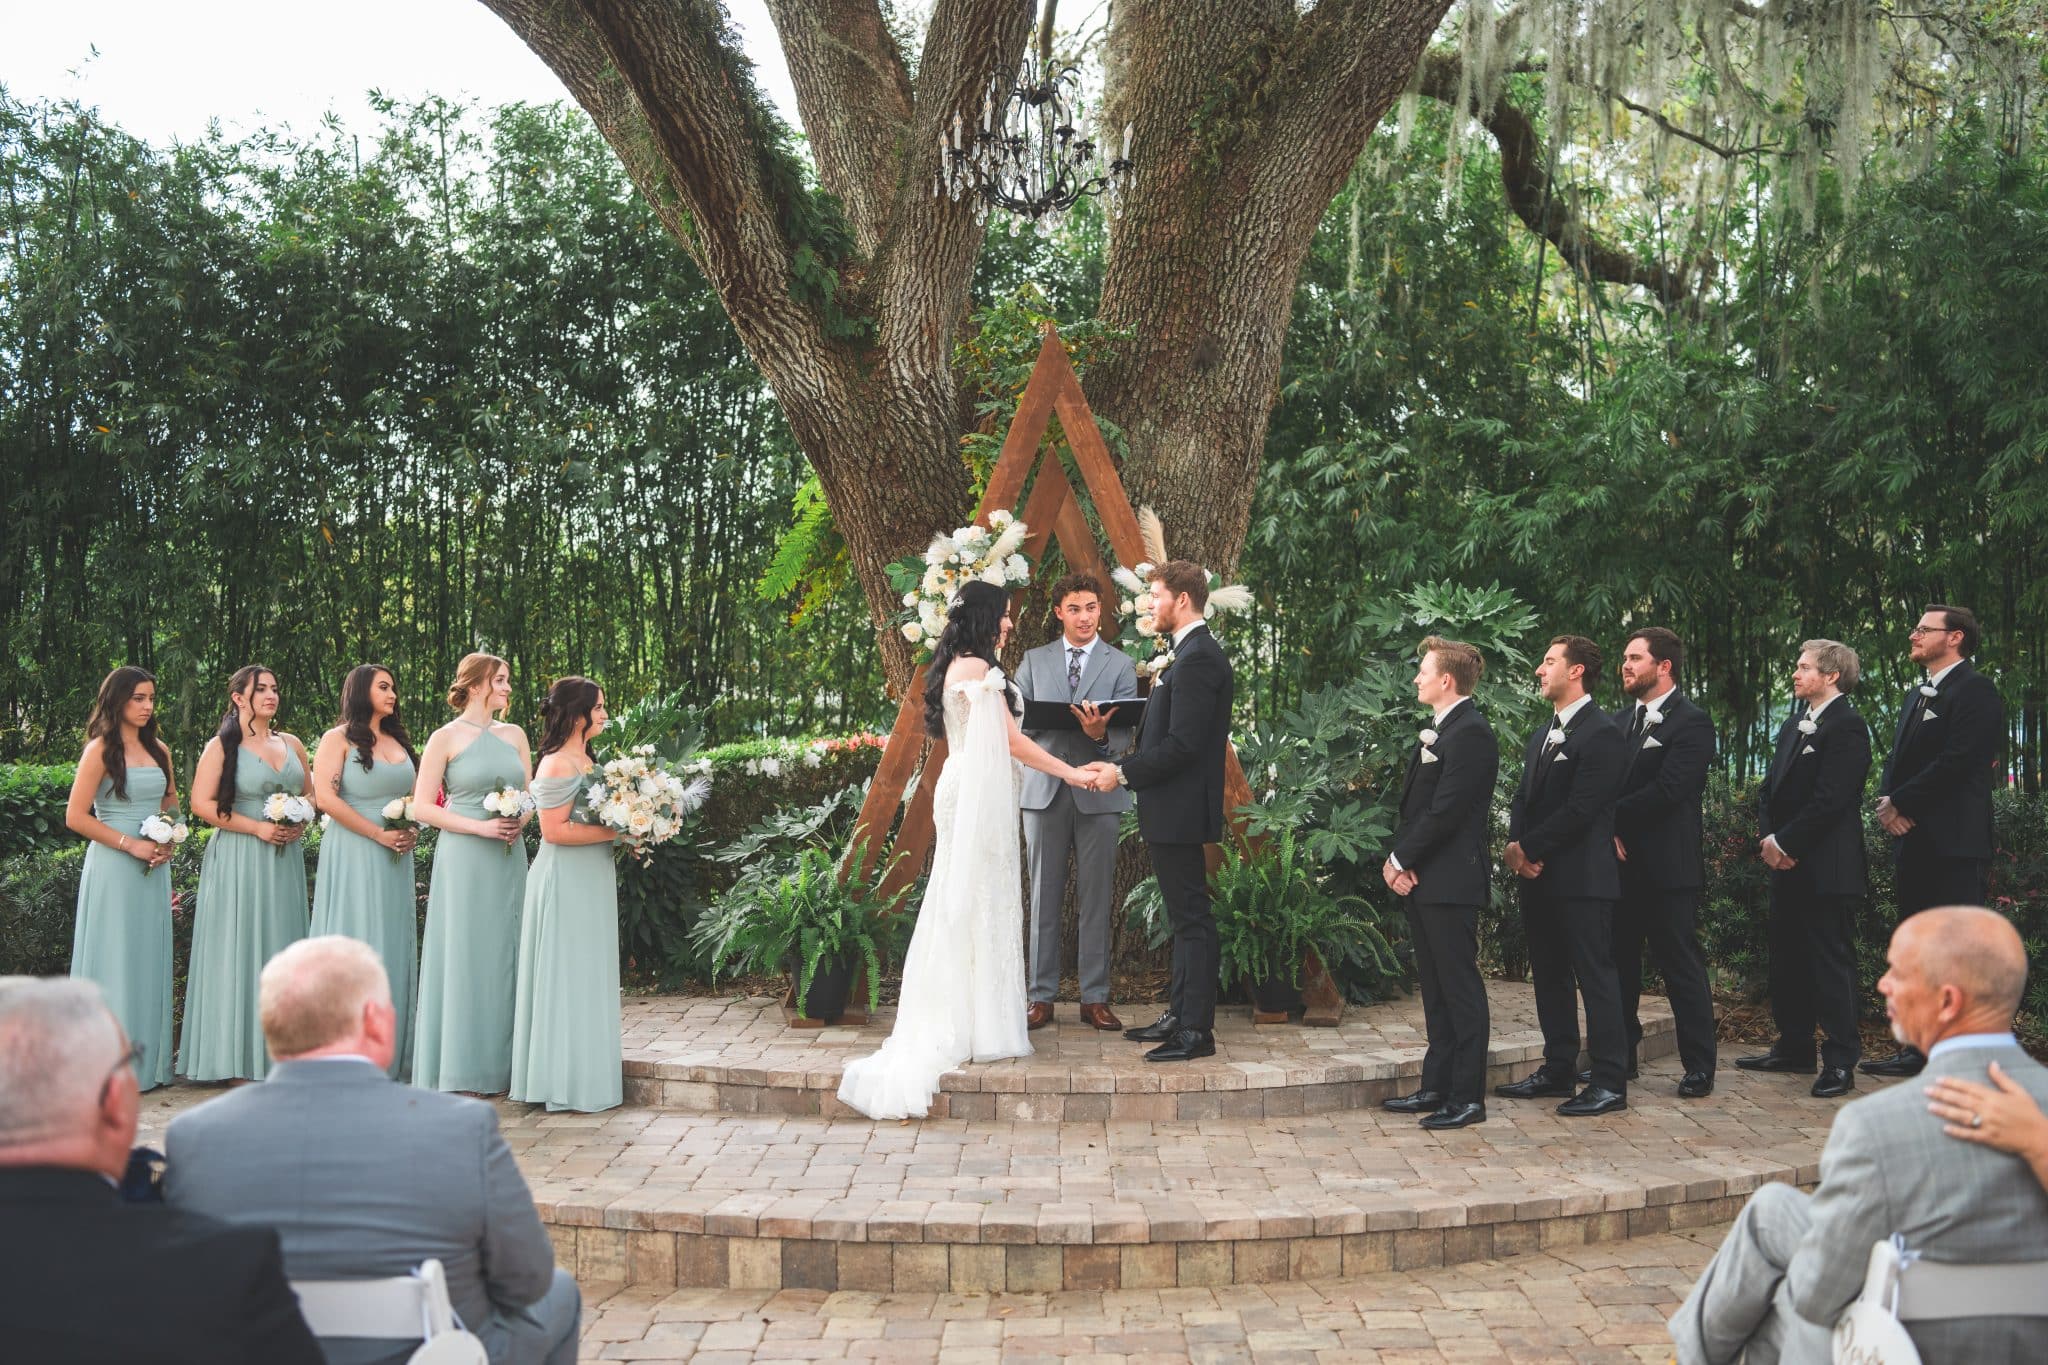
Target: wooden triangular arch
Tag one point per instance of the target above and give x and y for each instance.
(1053, 511)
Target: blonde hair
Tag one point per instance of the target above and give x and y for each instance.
(475, 670)
(313, 992)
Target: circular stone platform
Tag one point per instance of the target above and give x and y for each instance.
(738, 1056)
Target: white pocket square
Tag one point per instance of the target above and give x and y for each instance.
(1807, 750)
(1560, 758)
(1652, 742)
(1929, 715)
(1428, 757)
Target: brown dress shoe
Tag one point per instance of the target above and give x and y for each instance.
(1102, 1017)
(1039, 1015)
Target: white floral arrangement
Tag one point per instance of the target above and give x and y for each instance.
(1224, 599)
(164, 828)
(288, 808)
(644, 801)
(988, 554)
(509, 803)
(790, 754)
(397, 815)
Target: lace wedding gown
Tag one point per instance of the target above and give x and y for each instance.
(963, 978)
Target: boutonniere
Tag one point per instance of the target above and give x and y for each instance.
(1929, 690)
(1652, 718)
(1157, 665)
(1555, 737)
(1808, 725)
(1428, 738)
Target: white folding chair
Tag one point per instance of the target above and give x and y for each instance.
(1899, 1287)
(402, 1308)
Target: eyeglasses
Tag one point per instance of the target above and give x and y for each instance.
(132, 1057)
(1933, 630)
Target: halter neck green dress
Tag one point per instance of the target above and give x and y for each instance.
(122, 936)
(365, 891)
(251, 905)
(565, 1031)
(469, 955)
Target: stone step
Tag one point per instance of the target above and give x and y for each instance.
(739, 1057)
(651, 1197)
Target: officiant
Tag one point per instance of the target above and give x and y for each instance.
(1078, 670)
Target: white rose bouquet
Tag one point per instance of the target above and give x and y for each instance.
(511, 803)
(164, 828)
(287, 808)
(641, 799)
(988, 553)
(398, 815)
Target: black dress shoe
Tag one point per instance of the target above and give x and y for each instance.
(1833, 1081)
(1185, 1045)
(1536, 1086)
(1158, 1031)
(1421, 1102)
(1456, 1116)
(1775, 1060)
(1593, 1100)
(1907, 1061)
(1696, 1085)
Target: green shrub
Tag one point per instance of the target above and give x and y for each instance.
(32, 799)
(38, 903)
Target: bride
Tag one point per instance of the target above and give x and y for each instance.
(963, 978)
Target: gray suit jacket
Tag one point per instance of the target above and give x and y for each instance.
(362, 1178)
(1109, 675)
(1888, 1168)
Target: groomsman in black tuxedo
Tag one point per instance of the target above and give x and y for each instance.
(1935, 796)
(1561, 844)
(1177, 773)
(1669, 745)
(1440, 867)
(1810, 815)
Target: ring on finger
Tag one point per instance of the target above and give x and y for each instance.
(1976, 1120)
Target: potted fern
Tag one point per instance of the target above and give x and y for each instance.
(1273, 907)
(796, 914)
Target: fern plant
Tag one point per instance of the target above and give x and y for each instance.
(1273, 905)
(799, 914)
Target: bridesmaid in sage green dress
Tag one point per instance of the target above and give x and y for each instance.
(469, 959)
(364, 888)
(565, 1031)
(122, 936)
(252, 883)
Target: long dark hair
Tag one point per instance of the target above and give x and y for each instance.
(973, 626)
(357, 718)
(568, 704)
(230, 732)
(105, 726)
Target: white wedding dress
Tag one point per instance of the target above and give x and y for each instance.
(963, 978)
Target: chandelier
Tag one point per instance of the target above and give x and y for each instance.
(1032, 151)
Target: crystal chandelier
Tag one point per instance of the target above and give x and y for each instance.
(1032, 151)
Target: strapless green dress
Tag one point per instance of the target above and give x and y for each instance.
(122, 936)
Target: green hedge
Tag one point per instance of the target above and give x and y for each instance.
(32, 799)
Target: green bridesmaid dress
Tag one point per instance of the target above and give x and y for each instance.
(469, 959)
(122, 938)
(565, 1030)
(365, 891)
(252, 904)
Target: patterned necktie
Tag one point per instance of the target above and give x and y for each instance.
(1074, 656)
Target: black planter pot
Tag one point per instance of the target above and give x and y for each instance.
(1276, 995)
(830, 985)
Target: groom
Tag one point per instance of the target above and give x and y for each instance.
(1177, 772)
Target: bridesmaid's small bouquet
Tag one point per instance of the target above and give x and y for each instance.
(642, 799)
(398, 815)
(511, 803)
(165, 827)
(287, 808)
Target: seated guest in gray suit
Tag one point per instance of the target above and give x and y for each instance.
(363, 1177)
(84, 1278)
(1792, 1263)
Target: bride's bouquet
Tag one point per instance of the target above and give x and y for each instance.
(643, 800)
(511, 803)
(287, 808)
(164, 827)
(397, 815)
(988, 553)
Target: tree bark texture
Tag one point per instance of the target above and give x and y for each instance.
(1246, 115)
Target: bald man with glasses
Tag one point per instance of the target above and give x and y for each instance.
(84, 1278)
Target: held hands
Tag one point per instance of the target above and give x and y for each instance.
(1401, 881)
(505, 828)
(1097, 777)
(1775, 858)
(1094, 723)
(1520, 863)
(1895, 824)
(400, 841)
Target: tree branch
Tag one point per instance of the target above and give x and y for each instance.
(1728, 153)
(1525, 176)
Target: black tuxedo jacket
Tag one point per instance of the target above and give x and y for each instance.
(1812, 799)
(1943, 763)
(87, 1280)
(1177, 768)
(1444, 808)
(1563, 813)
(1657, 815)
